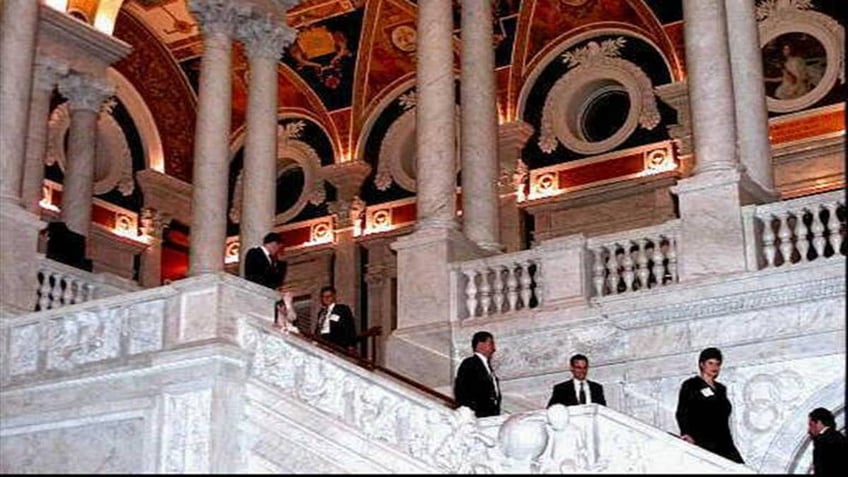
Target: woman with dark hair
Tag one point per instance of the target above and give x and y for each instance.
(703, 410)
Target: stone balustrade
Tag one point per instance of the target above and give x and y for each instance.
(634, 259)
(61, 285)
(796, 231)
(499, 285)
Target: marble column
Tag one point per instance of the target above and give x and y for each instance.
(86, 95)
(711, 240)
(752, 125)
(264, 41)
(46, 77)
(17, 50)
(212, 137)
(479, 129)
(435, 132)
(347, 178)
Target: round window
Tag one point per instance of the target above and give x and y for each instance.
(604, 113)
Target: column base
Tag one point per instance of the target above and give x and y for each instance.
(711, 240)
(19, 257)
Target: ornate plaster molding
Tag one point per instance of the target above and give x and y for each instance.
(594, 66)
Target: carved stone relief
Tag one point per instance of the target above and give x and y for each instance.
(187, 433)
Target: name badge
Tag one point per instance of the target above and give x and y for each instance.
(334, 317)
(707, 392)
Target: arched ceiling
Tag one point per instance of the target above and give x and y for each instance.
(350, 54)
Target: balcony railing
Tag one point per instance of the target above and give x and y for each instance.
(499, 285)
(635, 259)
(61, 285)
(797, 231)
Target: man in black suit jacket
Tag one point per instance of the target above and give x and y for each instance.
(335, 322)
(829, 445)
(578, 390)
(476, 385)
(261, 265)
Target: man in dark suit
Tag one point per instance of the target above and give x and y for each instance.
(578, 390)
(476, 385)
(829, 445)
(335, 321)
(261, 265)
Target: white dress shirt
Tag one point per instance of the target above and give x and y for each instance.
(325, 326)
(491, 373)
(585, 390)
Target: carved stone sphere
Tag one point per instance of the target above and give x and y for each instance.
(523, 437)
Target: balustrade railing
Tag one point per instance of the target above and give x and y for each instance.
(500, 284)
(634, 260)
(61, 285)
(799, 230)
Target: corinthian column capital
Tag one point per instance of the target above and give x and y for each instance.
(85, 92)
(215, 16)
(263, 37)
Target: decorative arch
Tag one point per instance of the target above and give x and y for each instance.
(132, 100)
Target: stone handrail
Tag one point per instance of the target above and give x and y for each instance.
(796, 231)
(498, 285)
(61, 285)
(560, 440)
(635, 259)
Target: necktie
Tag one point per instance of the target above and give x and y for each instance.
(582, 395)
(494, 380)
(322, 316)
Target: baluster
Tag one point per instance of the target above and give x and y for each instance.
(498, 288)
(598, 271)
(612, 269)
(485, 292)
(801, 241)
(817, 228)
(769, 250)
(672, 259)
(627, 263)
(470, 293)
(511, 288)
(56, 291)
(525, 280)
(69, 297)
(642, 264)
(834, 228)
(88, 292)
(784, 237)
(658, 257)
(44, 290)
(539, 281)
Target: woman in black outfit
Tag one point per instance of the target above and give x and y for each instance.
(703, 410)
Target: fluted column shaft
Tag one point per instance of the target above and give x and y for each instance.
(710, 85)
(480, 220)
(45, 79)
(86, 95)
(749, 93)
(19, 23)
(264, 42)
(212, 133)
(435, 132)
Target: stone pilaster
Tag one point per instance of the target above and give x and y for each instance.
(436, 131)
(152, 224)
(86, 95)
(752, 127)
(479, 142)
(46, 77)
(17, 49)
(512, 184)
(217, 19)
(264, 40)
